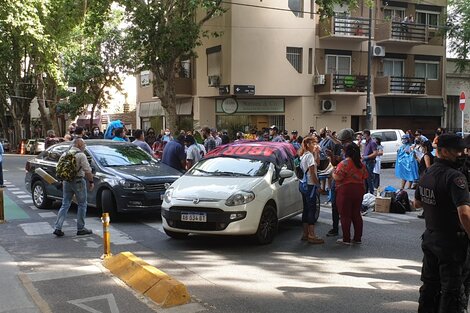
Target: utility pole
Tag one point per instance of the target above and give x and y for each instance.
(369, 65)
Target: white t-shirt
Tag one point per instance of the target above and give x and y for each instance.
(194, 153)
(307, 160)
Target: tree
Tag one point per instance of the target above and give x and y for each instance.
(161, 33)
(96, 65)
(458, 31)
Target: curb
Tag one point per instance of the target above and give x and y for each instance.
(148, 280)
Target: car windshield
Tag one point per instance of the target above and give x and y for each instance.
(225, 166)
(120, 155)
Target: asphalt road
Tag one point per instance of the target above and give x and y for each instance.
(223, 274)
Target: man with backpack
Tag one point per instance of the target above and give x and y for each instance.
(75, 172)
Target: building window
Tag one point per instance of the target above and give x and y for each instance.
(294, 56)
(144, 78)
(428, 70)
(394, 14)
(297, 7)
(312, 9)
(310, 60)
(338, 64)
(214, 61)
(393, 67)
(184, 69)
(427, 18)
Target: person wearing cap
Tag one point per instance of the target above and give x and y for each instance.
(274, 134)
(294, 141)
(345, 136)
(443, 194)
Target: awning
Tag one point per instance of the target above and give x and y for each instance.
(149, 109)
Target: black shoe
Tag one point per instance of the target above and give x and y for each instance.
(84, 232)
(332, 233)
(421, 215)
(58, 233)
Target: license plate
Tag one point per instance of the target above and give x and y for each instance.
(194, 217)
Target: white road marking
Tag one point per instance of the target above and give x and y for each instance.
(39, 228)
(13, 189)
(28, 201)
(33, 207)
(186, 308)
(89, 242)
(117, 237)
(47, 214)
(58, 273)
(23, 196)
(18, 192)
(156, 225)
(111, 302)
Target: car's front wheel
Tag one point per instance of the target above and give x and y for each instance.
(175, 235)
(40, 199)
(267, 227)
(108, 204)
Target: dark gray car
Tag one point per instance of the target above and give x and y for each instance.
(127, 179)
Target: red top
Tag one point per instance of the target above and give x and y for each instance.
(349, 174)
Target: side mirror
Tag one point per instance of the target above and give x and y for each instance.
(285, 174)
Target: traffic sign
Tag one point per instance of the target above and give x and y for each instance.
(462, 101)
(224, 90)
(244, 89)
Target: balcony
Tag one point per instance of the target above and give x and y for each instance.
(348, 85)
(183, 86)
(398, 86)
(406, 34)
(354, 29)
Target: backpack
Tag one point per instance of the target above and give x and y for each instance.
(298, 170)
(400, 202)
(67, 166)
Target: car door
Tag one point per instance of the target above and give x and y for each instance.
(288, 196)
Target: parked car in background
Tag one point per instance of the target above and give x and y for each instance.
(38, 146)
(6, 144)
(238, 189)
(127, 179)
(29, 145)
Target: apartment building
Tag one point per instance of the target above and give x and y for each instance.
(277, 63)
(456, 83)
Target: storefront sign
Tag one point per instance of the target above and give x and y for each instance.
(230, 105)
(255, 106)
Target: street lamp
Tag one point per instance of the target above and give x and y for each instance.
(369, 65)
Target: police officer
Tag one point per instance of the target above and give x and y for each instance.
(443, 193)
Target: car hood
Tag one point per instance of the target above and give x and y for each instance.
(145, 173)
(216, 187)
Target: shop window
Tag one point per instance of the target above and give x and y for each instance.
(294, 56)
(428, 70)
(144, 78)
(297, 7)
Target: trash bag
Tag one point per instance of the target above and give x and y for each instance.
(368, 201)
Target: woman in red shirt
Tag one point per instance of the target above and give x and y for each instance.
(349, 176)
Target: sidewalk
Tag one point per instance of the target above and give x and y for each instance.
(13, 294)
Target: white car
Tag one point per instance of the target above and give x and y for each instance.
(238, 189)
(391, 141)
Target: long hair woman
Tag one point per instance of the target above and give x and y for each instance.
(308, 187)
(349, 176)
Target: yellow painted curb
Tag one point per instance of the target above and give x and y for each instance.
(148, 280)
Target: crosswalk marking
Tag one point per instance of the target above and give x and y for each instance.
(37, 228)
(28, 201)
(18, 192)
(117, 237)
(23, 196)
(33, 207)
(13, 189)
(47, 214)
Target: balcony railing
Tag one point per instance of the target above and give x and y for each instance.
(407, 33)
(349, 27)
(397, 85)
(338, 83)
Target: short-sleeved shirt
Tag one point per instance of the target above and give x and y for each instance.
(145, 146)
(194, 153)
(210, 144)
(306, 160)
(370, 147)
(441, 189)
(173, 154)
(349, 174)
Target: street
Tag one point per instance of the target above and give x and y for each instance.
(223, 274)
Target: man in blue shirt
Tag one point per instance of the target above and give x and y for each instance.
(174, 155)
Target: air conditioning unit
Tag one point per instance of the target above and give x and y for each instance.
(214, 80)
(318, 80)
(378, 51)
(328, 105)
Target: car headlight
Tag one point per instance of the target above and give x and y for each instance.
(168, 194)
(239, 198)
(131, 185)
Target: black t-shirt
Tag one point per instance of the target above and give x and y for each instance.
(422, 163)
(441, 189)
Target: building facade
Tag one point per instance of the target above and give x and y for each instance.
(456, 83)
(276, 63)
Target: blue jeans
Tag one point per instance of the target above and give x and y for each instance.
(77, 187)
(370, 164)
(310, 205)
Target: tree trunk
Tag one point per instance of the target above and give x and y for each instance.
(41, 97)
(164, 87)
(51, 94)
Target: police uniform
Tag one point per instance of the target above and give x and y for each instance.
(442, 188)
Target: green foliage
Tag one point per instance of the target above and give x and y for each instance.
(325, 7)
(458, 32)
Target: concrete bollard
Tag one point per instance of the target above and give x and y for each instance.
(106, 236)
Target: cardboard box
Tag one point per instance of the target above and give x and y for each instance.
(382, 204)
